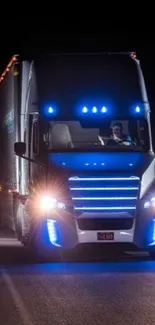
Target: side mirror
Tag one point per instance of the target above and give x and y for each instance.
(20, 148)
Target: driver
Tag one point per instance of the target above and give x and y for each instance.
(118, 136)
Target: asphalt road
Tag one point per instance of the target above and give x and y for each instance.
(115, 291)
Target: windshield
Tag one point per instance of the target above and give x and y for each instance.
(116, 135)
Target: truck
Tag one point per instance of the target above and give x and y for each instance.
(77, 162)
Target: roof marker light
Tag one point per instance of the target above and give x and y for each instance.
(94, 109)
(84, 109)
(50, 110)
(103, 109)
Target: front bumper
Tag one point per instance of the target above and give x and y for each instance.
(68, 233)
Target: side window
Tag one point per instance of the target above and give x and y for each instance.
(143, 132)
(35, 138)
(46, 135)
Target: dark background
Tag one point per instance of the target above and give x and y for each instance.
(32, 35)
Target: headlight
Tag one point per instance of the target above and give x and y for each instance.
(150, 203)
(48, 203)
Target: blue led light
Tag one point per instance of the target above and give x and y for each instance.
(103, 198)
(52, 232)
(50, 110)
(105, 208)
(103, 109)
(137, 109)
(104, 188)
(153, 233)
(85, 161)
(84, 109)
(94, 109)
(76, 178)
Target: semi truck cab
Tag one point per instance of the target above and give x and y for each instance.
(85, 153)
(100, 179)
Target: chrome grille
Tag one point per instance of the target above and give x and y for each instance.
(104, 194)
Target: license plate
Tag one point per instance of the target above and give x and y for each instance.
(105, 236)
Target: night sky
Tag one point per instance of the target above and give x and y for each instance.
(40, 36)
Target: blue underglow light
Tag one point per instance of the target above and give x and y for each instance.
(153, 234)
(84, 109)
(153, 230)
(52, 232)
(94, 109)
(103, 109)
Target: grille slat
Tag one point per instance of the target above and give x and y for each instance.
(104, 193)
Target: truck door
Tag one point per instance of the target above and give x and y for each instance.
(34, 146)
